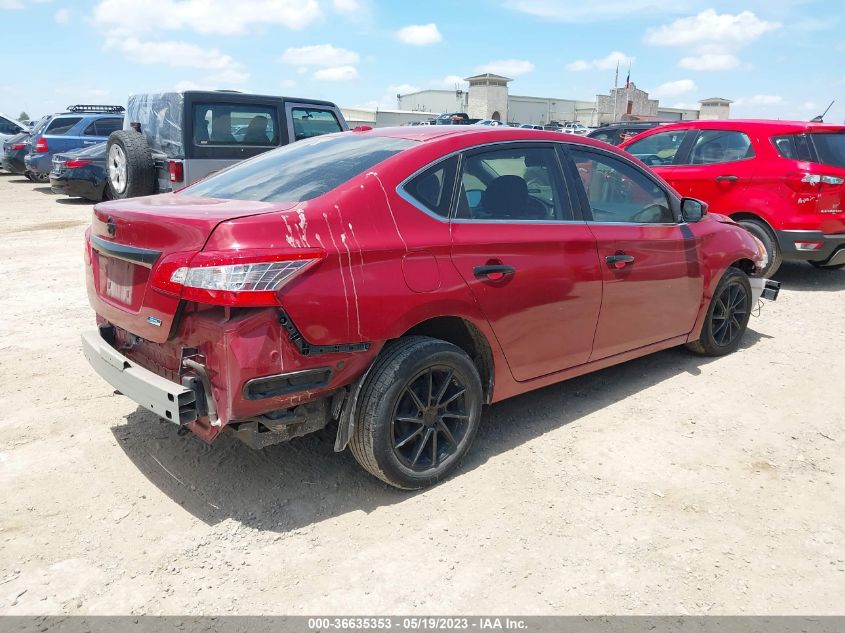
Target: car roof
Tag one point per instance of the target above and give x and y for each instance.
(483, 134)
(757, 125)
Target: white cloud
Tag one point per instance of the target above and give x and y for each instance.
(218, 17)
(181, 55)
(450, 82)
(506, 67)
(710, 29)
(593, 11)
(674, 88)
(765, 99)
(709, 61)
(11, 4)
(320, 55)
(62, 16)
(186, 84)
(346, 6)
(420, 34)
(336, 73)
(605, 63)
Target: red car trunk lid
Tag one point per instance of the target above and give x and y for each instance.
(129, 237)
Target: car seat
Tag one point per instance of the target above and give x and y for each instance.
(506, 197)
(256, 131)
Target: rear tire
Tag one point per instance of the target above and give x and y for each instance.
(129, 164)
(418, 412)
(762, 232)
(727, 316)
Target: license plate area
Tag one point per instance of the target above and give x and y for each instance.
(121, 282)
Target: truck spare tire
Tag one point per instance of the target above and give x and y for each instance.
(129, 161)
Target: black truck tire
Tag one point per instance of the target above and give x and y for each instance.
(129, 165)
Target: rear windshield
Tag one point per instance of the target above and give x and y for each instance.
(300, 171)
(830, 148)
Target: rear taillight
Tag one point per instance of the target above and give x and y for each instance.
(73, 164)
(811, 183)
(16, 147)
(176, 170)
(252, 278)
(808, 246)
(41, 146)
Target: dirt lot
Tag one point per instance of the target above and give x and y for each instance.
(670, 484)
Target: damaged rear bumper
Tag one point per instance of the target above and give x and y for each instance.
(163, 397)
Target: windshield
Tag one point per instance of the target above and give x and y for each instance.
(300, 171)
(830, 148)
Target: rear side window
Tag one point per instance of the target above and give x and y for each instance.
(658, 149)
(300, 171)
(309, 122)
(7, 127)
(228, 124)
(830, 149)
(432, 188)
(720, 146)
(62, 125)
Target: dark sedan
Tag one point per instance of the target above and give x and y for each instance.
(81, 173)
(14, 150)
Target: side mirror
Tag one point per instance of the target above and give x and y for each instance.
(692, 210)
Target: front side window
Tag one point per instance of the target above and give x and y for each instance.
(513, 184)
(300, 171)
(619, 192)
(62, 125)
(720, 146)
(228, 124)
(658, 149)
(310, 122)
(432, 189)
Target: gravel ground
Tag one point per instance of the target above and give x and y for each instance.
(670, 484)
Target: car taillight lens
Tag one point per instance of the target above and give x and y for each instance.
(16, 147)
(41, 146)
(231, 279)
(176, 170)
(73, 164)
(811, 183)
(808, 246)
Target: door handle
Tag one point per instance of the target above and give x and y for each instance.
(493, 272)
(727, 178)
(619, 261)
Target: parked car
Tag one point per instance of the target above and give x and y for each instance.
(400, 278)
(173, 139)
(782, 180)
(81, 173)
(616, 133)
(489, 122)
(531, 126)
(80, 126)
(10, 127)
(17, 147)
(575, 128)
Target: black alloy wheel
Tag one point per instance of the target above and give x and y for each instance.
(730, 314)
(431, 419)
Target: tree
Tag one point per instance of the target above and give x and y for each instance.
(23, 116)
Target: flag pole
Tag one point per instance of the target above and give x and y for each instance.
(615, 88)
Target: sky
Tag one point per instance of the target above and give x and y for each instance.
(773, 58)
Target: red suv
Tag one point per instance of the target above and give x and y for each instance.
(396, 280)
(781, 180)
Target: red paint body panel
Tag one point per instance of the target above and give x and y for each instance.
(388, 266)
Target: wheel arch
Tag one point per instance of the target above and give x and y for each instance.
(736, 216)
(466, 335)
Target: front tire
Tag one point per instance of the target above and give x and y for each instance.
(762, 232)
(418, 412)
(727, 316)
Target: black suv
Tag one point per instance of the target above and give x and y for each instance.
(615, 133)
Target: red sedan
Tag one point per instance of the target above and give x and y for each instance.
(396, 280)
